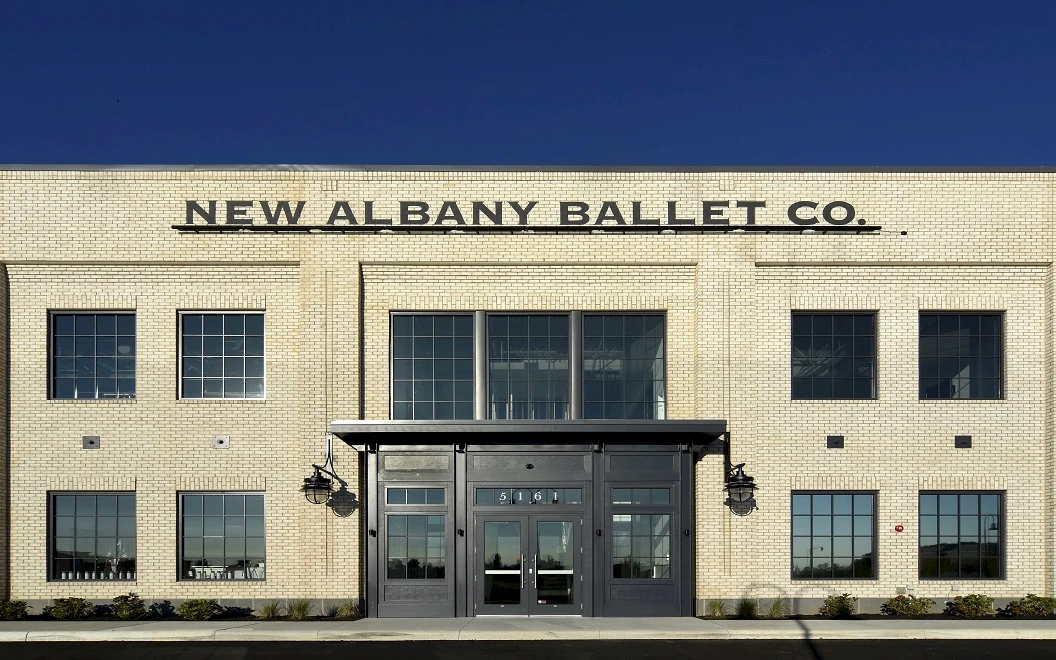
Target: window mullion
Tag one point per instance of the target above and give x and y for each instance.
(575, 365)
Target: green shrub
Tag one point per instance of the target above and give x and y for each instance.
(776, 609)
(972, 606)
(269, 610)
(129, 606)
(718, 608)
(299, 609)
(839, 607)
(1031, 606)
(199, 609)
(69, 608)
(13, 610)
(348, 611)
(160, 609)
(906, 606)
(747, 608)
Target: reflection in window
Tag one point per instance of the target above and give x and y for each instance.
(961, 356)
(414, 496)
(528, 367)
(833, 535)
(93, 536)
(432, 366)
(623, 366)
(961, 536)
(222, 356)
(641, 546)
(833, 356)
(641, 496)
(93, 356)
(223, 537)
(415, 546)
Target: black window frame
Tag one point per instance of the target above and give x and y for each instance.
(181, 376)
(875, 535)
(53, 356)
(658, 407)
(999, 348)
(413, 381)
(1000, 523)
(833, 393)
(181, 575)
(54, 575)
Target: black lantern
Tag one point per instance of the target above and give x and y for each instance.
(740, 489)
(317, 487)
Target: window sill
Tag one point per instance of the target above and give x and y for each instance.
(837, 401)
(835, 579)
(206, 401)
(961, 401)
(121, 401)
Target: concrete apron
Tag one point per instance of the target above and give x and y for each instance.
(516, 628)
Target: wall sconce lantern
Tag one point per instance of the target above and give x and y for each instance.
(739, 487)
(318, 489)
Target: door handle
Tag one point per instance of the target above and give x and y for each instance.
(535, 571)
(522, 571)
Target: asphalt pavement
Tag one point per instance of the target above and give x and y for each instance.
(535, 628)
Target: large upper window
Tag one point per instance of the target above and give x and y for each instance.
(833, 535)
(93, 536)
(961, 356)
(623, 366)
(833, 356)
(432, 366)
(93, 355)
(223, 536)
(961, 536)
(222, 356)
(528, 366)
(526, 363)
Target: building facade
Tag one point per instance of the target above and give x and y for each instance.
(527, 387)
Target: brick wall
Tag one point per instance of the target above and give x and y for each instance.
(103, 240)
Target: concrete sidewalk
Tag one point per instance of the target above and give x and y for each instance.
(510, 628)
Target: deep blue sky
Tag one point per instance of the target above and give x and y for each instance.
(529, 82)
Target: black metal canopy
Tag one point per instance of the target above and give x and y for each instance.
(701, 433)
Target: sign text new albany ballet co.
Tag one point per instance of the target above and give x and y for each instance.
(524, 214)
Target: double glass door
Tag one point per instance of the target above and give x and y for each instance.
(528, 564)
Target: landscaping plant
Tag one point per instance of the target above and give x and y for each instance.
(269, 610)
(747, 608)
(69, 608)
(299, 609)
(199, 609)
(718, 608)
(348, 611)
(1031, 606)
(906, 606)
(13, 610)
(839, 607)
(129, 606)
(972, 606)
(776, 609)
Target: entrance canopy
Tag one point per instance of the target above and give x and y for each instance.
(702, 434)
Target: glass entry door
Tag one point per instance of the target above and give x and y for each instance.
(528, 564)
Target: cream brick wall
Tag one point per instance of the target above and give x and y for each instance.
(103, 240)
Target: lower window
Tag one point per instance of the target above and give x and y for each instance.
(834, 535)
(222, 536)
(961, 536)
(93, 536)
(415, 547)
(641, 545)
